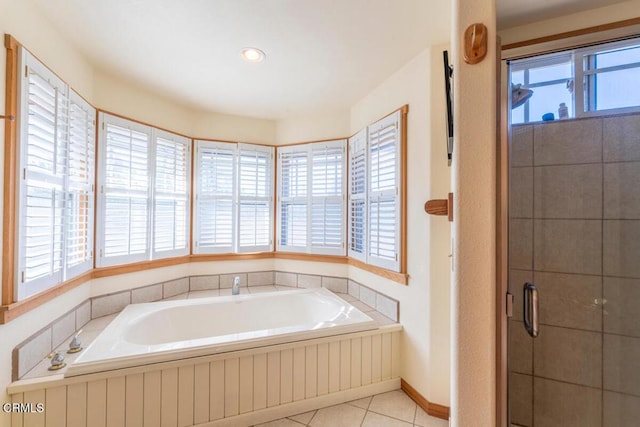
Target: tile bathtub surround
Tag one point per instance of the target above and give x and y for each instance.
(34, 349)
(30, 353)
(147, 294)
(175, 287)
(204, 283)
(109, 304)
(261, 278)
(309, 281)
(286, 279)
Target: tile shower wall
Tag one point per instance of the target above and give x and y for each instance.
(575, 233)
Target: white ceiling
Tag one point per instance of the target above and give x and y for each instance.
(322, 55)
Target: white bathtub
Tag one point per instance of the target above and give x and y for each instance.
(167, 330)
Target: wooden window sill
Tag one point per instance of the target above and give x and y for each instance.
(16, 309)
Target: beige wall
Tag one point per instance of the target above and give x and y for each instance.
(313, 128)
(474, 186)
(424, 304)
(127, 99)
(616, 12)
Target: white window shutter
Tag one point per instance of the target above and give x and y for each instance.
(384, 192)
(215, 197)
(172, 177)
(327, 198)
(293, 203)
(43, 136)
(311, 198)
(255, 195)
(57, 158)
(357, 188)
(125, 191)
(80, 187)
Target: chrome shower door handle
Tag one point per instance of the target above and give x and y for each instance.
(530, 308)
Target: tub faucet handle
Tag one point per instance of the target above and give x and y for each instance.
(75, 345)
(235, 290)
(57, 361)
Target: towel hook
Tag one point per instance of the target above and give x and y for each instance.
(9, 117)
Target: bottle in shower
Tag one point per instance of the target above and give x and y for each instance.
(563, 111)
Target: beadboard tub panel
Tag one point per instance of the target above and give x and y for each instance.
(236, 388)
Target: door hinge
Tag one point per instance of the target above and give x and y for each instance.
(26, 71)
(509, 304)
(22, 276)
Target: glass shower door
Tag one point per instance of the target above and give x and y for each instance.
(574, 234)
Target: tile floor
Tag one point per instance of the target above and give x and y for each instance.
(392, 409)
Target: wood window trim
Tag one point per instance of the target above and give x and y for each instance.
(575, 33)
(9, 218)
(10, 310)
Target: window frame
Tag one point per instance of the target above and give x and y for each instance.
(269, 182)
(364, 136)
(235, 198)
(21, 289)
(104, 119)
(308, 199)
(187, 143)
(361, 139)
(583, 95)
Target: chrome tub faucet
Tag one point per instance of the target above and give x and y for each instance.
(235, 290)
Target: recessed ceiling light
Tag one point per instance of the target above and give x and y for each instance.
(252, 54)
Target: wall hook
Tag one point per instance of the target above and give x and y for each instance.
(10, 118)
(475, 43)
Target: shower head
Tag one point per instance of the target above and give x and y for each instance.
(519, 95)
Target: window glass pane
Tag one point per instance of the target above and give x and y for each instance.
(517, 115)
(546, 99)
(616, 57)
(517, 77)
(614, 89)
(550, 72)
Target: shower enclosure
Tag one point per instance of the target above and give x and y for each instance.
(573, 347)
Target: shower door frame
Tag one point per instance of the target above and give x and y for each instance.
(540, 46)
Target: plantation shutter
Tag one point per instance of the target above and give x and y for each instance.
(215, 197)
(125, 191)
(57, 164)
(358, 195)
(43, 146)
(255, 177)
(80, 186)
(311, 198)
(171, 195)
(293, 178)
(384, 192)
(327, 198)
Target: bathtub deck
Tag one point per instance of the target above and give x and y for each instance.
(92, 329)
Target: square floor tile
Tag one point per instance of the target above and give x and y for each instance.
(395, 404)
(303, 418)
(361, 403)
(425, 420)
(338, 416)
(376, 420)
